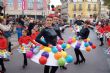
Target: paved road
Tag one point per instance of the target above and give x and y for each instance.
(96, 60)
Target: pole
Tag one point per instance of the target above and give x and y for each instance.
(4, 11)
(23, 13)
(99, 8)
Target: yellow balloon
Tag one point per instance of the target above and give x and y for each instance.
(88, 39)
(47, 49)
(68, 46)
(64, 54)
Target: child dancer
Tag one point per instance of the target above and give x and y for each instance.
(3, 47)
(24, 40)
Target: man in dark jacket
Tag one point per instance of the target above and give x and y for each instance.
(79, 22)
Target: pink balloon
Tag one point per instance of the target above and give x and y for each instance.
(59, 48)
(29, 54)
(70, 41)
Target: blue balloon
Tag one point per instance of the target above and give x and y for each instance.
(86, 44)
(54, 49)
(90, 43)
(64, 45)
(69, 59)
(45, 54)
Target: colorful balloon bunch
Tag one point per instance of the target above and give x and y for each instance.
(32, 51)
(4, 54)
(87, 43)
(43, 58)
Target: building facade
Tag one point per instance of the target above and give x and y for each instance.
(64, 9)
(85, 8)
(26, 7)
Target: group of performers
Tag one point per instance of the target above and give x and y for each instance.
(103, 32)
(42, 47)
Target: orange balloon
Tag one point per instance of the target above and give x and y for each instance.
(58, 55)
(73, 40)
(41, 47)
(88, 49)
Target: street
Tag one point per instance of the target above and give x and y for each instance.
(96, 60)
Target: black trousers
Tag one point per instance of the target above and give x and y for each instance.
(9, 47)
(2, 64)
(53, 69)
(101, 40)
(78, 54)
(25, 59)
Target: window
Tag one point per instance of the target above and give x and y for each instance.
(95, 7)
(10, 3)
(74, 0)
(89, 0)
(80, 7)
(30, 4)
(79, 0)
(40, 4)
(74, 7)
(94, 0)
(89, 7)
(19, 3)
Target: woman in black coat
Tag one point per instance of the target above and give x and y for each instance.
(84, 33)
(50, 37)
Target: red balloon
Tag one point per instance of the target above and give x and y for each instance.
(60, 42)
(43, 60)
(85, 40)
(93, 46)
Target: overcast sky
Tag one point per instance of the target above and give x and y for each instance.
(55, 2)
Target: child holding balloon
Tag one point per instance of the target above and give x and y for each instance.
(24, 40)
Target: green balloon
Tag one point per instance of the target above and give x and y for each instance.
(61, 62)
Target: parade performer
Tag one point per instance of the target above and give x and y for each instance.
(50, 36)
(34, 34)
(3, 52)
(83, 34)
(6, 32)
(24, 42)
(49, 56)
(101, 34)
(57, 27)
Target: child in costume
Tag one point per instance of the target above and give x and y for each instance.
(3, 52)
(24, 42)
